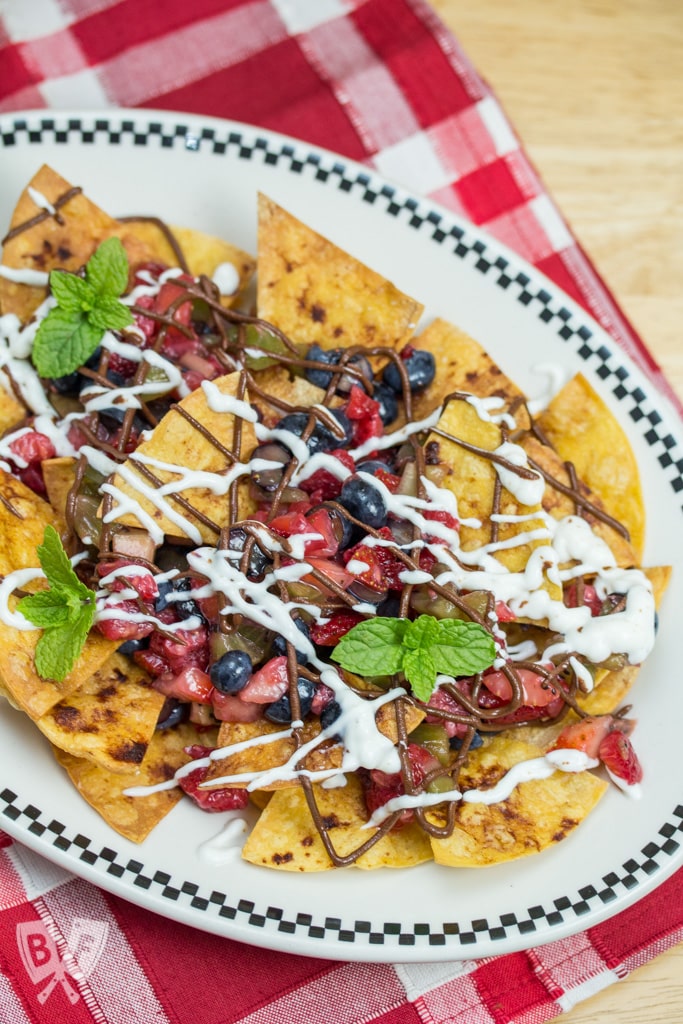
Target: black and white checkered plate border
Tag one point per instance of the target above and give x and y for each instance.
(464, 243)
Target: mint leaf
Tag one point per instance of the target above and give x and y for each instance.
(107, 268)
(64, 342)
(66, 611)
(463, 648)
(420, 671)
(110, 315)
(373, 647)
(58, 649)
(85, 309)
(423, 632)
(49, 608)
(73, 294)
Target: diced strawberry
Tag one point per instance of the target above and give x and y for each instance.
(364, 429)
(618, 756)
(323, 696)
(124, 629)
(330, 633)
(427, 560)
(442, 701)
(589, 597)
(188, 648)
(190, 683)
(117, 364)
(227, 707)
(536, 692)
(169, 293)
(151, 662)
(319, 521)
(149, 268)
(144, 583)
(196, 750)
(325, 485)
(381, 787)
(32, 476)
(504, 612)
(440, 515)
(33, 447)
(336, 573)
(214, 800)
(422, 762)
(384, 568)
(268, 684)
(360, 405)
(586, 735)
(146, 324)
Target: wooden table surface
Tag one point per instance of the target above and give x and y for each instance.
(595, 90)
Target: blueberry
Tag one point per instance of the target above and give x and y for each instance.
(372, 466)
(93, 363)
(389, 607)
(322, 438)
(185, 607)
(270, 479)
(364, 501)
(281, 710)
(131, 646)
(70, 384)
(344, 530)
(231, 672)
(455, 742)
(258, 561)
(388, 404)
(173, 712)
(280, 644)
(420, 367)
(321, 378)
(329, 714)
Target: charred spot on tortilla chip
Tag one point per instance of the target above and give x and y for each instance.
(130, 753)
(282, 858)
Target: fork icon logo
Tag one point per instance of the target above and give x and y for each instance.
(42, 961)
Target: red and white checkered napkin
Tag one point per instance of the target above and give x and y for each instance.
(381, 81)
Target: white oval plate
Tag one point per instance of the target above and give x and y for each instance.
(205, 173)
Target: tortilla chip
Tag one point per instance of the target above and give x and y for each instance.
(463, 365)
(49, 244)
(203, 253)
(262, 757)
(23, 518)
(316, 292)
(285, 836)
(558, 504)
(535, 816)
(585, 432)
(109, 720)
(134, 817)
(279, 386)
(59, 475)
(176, 441)
(12, 412)
(473, 480)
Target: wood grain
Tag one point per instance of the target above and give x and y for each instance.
(595, 90)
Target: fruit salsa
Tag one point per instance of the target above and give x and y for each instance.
(302, 558)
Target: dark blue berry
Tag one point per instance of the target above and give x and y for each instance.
(270, 479)
(364, 501)
(280, 644)
(344, 530)
(372, 466)
(231, 672)
(281, 710)
(183, 607)
(131, 646)
(331, 356)
(455, 742)
(258, 562)
(420, 367)
(173, 712)
(388, 403)
(322, 438)
(70, 384)
(329, 714)
(390, 606)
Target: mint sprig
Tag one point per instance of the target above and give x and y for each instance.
(65, 612)
(86, 308)
(421, 649)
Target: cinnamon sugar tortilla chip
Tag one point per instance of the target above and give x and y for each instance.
(135, 817)
(264, 756)
(585, 432)
(203, 253)
(178, 442)
(109, 720)
(12, 412)
(463, 365)
(535, 816)
(315, 292)
(50, 244)
(285, 835)
(23, 518)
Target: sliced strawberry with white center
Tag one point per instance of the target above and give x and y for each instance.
(620, 759)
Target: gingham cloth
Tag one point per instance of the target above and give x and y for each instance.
(380, 81)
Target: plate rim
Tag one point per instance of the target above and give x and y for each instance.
(426, 211)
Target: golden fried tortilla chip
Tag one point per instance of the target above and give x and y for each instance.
(135, 817)
(177, 442)
(203, 253)
(59, 475)
(463, 365)
(262, 757)
(12, 412)
(473, 480)
(67, 243)
(109, 720)
(285, 835)
(585, 432)
(315, 292)
(23, 518)
(535, 816)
